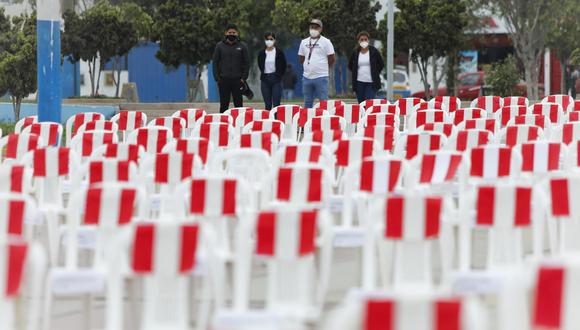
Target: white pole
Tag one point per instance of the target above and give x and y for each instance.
(547, 72)
(390, 47)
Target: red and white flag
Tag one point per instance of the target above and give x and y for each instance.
(503, 206)
(412, 217)
(172, 168)
(286, 234)
(165, 248)
(51, 162)
(380, 176)
(491, 162)
(302, 153)
(109, 205)
(541, 156)
(438, 167)
(299, 184)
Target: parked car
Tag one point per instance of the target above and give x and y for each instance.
(401, 86)
(470, 87)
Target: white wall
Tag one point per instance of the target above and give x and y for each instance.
(104, 88)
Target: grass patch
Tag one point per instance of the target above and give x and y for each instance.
(7, 128)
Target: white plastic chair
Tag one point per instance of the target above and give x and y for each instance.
(369, 103)
(366, 179)
(383, 108)
(460, 115)
(574, 106)
(15, 146)
(300, 185)
(504, 210)
(572, 116)
(352, 113)
(165, 255)
(324, 137)
(49, 132)
(554, 111)
(541, 121)
(329, 105)
(152, 138)
(304, 152)
(452, 103)
(175, 124)
(24, 122)
(507, 113)
(198, 146)
(76, 121)
(434, 169)
(467, 139)
(409, 145)
(407, 105)
(17, 178)
(266, 126)
(215, 118)
(566, 133)
(379, 119)
(109, 170)
(128, 121)
(258, 140)
(572, 159)
(286, 239)
(323, 123)
(302, 117)
(491, 125)
(22, 265)
(541, 157)
(99, 125)
(515, 101)
(403, 229)
(285, 114)
(162, 173)
(120, 151)
(491, 104)
(236, 112)
(563, 100)
(374, 310)
(250, 116)
(17, 212)
(513, 135)
(85, 143)
(423, 117)
(384, 135)
(446, 129)
(219, 134)
(351, 150)
(190, 115)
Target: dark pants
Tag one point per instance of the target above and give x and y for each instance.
(271, 91)
(227, 87)
(365, 91)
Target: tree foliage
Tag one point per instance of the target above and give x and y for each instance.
(564, 33)
(101, 33)
(17, 58)
(503, 77)
(431, 29)
(528, 28)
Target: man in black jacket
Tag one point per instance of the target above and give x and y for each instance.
(231, 67)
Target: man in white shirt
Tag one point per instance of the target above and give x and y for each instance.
(316, 54)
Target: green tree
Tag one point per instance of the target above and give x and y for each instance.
(503, 77)
(528, 28)
(18, 60)
(563, 35)
(432, 30)
(80, 41)
(134, 25)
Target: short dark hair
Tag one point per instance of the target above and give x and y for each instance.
(269, 34)
(232, 26)
(363, 33)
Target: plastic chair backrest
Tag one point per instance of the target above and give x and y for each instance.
(120, 151)
(175, 124)
(198, 146)
(513, 135)
(515, 101)
(423, 117)
(190, 116)
(258, 140)
(554, 111)
(490, 104)
(467, 139)
(463, 114)
(85, 143)
(562, 100)
(406, 105)
(409, 145)
(76, 121)
(220, 134)
(17, 145)
(152, 138)
(446, 129)
(266, 126)
(24, 122)
(384, 135)
(49, 132)
(541, 157)
(506, 113)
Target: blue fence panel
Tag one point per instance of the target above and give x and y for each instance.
(68, 110)
(71, 79)
(155, 83)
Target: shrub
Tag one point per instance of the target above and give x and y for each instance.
(503, 77)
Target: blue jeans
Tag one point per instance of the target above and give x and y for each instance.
(312, 88)
(271, 91)
(288, 94)
(365, 91)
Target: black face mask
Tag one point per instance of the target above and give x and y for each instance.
(232, 38)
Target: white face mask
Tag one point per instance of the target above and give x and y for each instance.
(364, 44)
(269, 43)
(314, 33)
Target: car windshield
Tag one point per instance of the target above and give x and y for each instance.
(469, 80)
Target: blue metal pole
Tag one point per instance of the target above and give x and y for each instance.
(48, 60)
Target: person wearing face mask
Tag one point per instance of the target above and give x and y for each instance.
(316, 54)
(231, 67)
(272, 64)
(365, 65)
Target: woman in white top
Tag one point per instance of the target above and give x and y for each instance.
(365, 65)
(272, 64)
